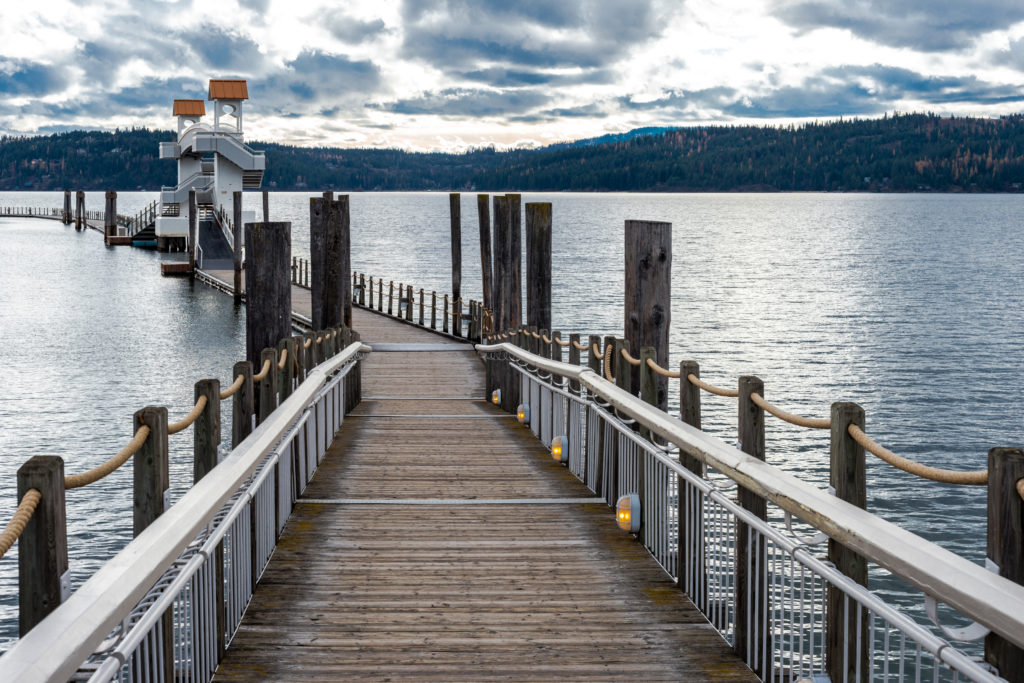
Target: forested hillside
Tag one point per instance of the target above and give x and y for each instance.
(915, 152)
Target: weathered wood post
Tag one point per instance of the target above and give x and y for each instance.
(150, 468)
(243, 403)
(611, 447)
(286, 374)
(515, 245)
(1005, 546)
(444, 315)
(574, 359)
(455, 211)
(408, 302)
(206, 429)
(751, 583)
(483, 212)
(109, 216)
(421, 307)
(43, 545)
(66, 217)
(556, 348)
(648, 249)
(391, 297)
(457, 316)
(538, 264)
(80, 223)
(329, 253)
(847, 477)
(691, 504)
(500, 286)
(192, 232)
(362, 288)
(266, 206)
(236, 246)
(648, 383)
(267, 395)
(268, 249)
(433, 310)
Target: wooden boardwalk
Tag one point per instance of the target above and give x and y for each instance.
(417, 554)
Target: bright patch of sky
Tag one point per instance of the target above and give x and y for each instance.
(453, 74)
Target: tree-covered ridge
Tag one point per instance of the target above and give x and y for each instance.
(916, 152)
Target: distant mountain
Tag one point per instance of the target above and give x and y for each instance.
(903, 153)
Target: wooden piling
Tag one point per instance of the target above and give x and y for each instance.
(500, 286)
(538, 264)
(236, 234)
(515, 245)
(330, 288)
(268, 293)
(43, 545)
(80, 220)
(845, 653)
(483, 212)
(206, 429)
(109, 216)
(648, 282)
(751, 584)
(66, 217)
(455, 213)
(1005, 547)
(243, 403)
(266, 206)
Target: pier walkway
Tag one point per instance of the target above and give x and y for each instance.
(439, 541)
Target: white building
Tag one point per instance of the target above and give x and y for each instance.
(212, 159)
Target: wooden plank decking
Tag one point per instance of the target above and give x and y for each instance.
(414, 556)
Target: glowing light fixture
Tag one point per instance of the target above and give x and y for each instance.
(627, 512)
(496, 396)
(560, 449)
(523, 413)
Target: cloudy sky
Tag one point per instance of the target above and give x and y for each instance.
(451, 74)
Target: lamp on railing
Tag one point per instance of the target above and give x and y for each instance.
(523, 413)
(627, 512)
(560, 449)
(496, 396)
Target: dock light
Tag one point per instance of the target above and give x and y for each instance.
(496, 396)
(523, 413)
(627, 512)
(560, 449)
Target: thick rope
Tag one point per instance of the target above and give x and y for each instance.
(544, 338)
(710, 388)
(560, 342)
(660, 370)
(19, 520)
(233, 389)
(284, 359)
(1020, 488)
(307, 343)
(608, 363)
(809, 422)
(596, 350)
(192, 416)
(579, 347)
(534, 335)
(628, 358)
(95, 474)
(263, 372)
(972, 478)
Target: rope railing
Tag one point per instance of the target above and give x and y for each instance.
(558, 340)
(284, 359)
(19, 520)
(799, 421)
(186, 422)
(661, 371)
(608, 363)
(579, 347)
(233, 389)
(1020, 488)
(629, 359)
(710, 388)
(262, 374)
(971, 478)
(75, 481)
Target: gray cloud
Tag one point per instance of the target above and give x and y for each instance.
(316, 81)
(354, 31)
(454, 34)
(220, 49)
(461, 102)
(930, 25)
(23, 77)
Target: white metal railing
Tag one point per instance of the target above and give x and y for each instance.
(151, 613)
(693, 526)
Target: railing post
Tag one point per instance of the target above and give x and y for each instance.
(43, 545)
(362, 289)
(433, 310)
(556, 348)
(243, 403)
(444, 315)
(483, 212)
(421, 307)
(1005, 546)
(286, 374)
(455, 211)
(648, 383)
(357, 373)
(380, 295)
(391, 297)
(690, 510)
(751, 641)
(206, 429)
(312, 360)
(612, 449)
(846, 649)
(300, 359)
(457, 316)
(408, 305)
(268, 385)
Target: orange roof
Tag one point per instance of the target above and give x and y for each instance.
(223, 89)
(189, 108)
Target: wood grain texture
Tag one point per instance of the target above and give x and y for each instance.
(449, 592)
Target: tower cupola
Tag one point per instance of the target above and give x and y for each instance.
(227, 96)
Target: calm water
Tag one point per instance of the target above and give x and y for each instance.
(910, 305)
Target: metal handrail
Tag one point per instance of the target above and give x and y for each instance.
(58, 645)
(985, 597)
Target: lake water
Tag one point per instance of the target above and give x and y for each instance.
(911, 305)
